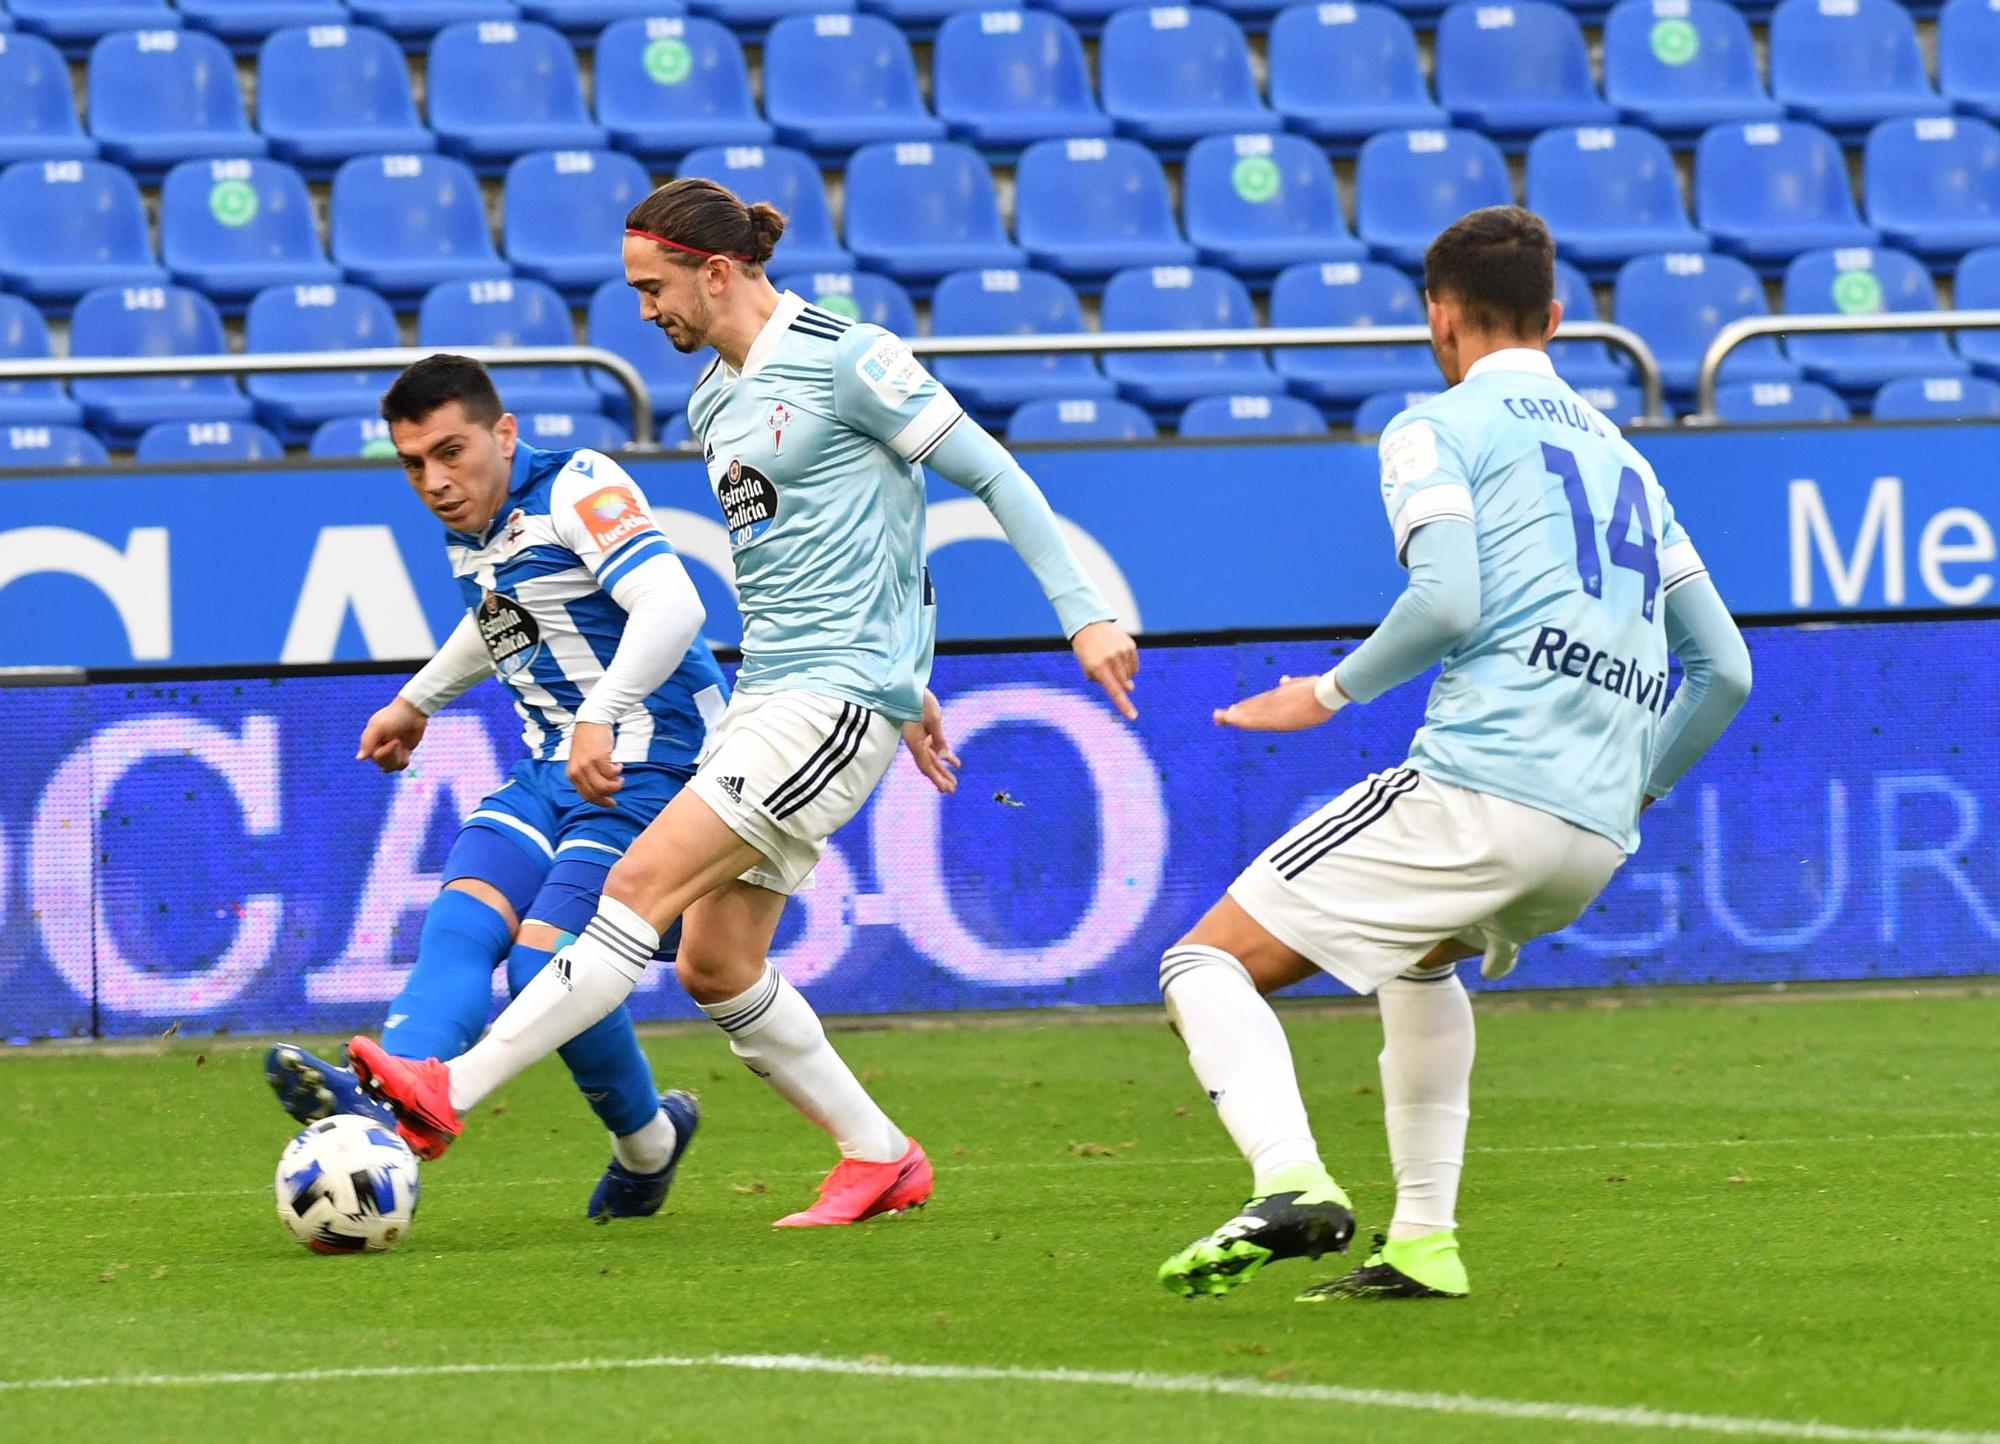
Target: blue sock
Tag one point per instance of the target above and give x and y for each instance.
(449, 994)
(604, 1059)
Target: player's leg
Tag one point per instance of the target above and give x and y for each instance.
(723, 964)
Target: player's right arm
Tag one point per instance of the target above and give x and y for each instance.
(393, 733)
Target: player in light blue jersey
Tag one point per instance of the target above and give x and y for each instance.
(815, 431)
(578, 605)
(1550, 577)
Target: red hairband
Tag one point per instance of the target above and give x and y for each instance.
(691, 250)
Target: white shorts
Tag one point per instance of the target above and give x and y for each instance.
(786, 770)
(1395, 865)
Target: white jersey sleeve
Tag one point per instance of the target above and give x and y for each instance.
(600, 514)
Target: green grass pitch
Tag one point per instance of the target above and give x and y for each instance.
(1762, 1211)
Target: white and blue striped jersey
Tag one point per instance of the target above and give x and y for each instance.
(1554, 699)
(814, 449)
(543, 585)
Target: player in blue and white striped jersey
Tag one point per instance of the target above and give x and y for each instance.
(578, 605)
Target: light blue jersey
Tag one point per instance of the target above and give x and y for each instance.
(814, 449)
(1554, 699)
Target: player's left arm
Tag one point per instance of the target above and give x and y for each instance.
(1715, 664)
(603, 517)
(882, 390)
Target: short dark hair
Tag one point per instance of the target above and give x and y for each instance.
(437, 381)
(705, 219)
(1499, 264)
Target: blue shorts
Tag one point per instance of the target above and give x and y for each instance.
(546, 849)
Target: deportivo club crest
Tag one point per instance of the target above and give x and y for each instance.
(778, 420)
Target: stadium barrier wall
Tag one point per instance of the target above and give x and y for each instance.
(207, 853)
(319, 563)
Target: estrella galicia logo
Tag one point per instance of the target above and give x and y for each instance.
(512, 636)
(749, 502)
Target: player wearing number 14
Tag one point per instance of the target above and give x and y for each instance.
(1549, 576)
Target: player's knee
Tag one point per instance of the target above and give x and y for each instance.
(630, 881)
(710, 976)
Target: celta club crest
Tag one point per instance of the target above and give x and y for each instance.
(778, 420)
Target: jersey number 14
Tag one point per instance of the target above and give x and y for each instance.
(1642, 556)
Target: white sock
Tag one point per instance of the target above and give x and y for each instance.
(1239, 1053)
(777, 1034)
(579, 985)
(648, 1150)
(1427, 1048)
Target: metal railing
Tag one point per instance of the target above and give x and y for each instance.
(1750, 327)
(645, 435)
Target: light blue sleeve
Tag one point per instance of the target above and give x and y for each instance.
(883, 391)
(1433, 615)
(967, 457)
(1425, 475)
(1715, 680)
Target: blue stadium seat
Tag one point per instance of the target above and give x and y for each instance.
(857, 295)
(316, 318)
(1581, 363)
(1258, 203)
(1933, 184)
(1007, 78)
(151, 321)
(676, 434)
(1978, 289)
(571, 431)
(161, 96)
(42, 447)
(67, 226)
(1411, 184)
(24, 336)
(918, 209)
(1938, 398)
(509, 312)
(1968, 42)
(243, 24)
(1771, 190)
(201, 442)
(836, 81)
(1678, 302)
(920, 19)
(1011, 303)
(230, 228)
(1622, 405)
(1088, 16)
(1778, 403)
(501, 88)
(414, 21)
(1343, 72)
(1511, 70)
(612, 322)
(76, 25)
(1245, 416)
(667, 85)
(1351, 293)
(1679, 66)
(1848, 63)
(755, 17)
(585, 18)
(358, 436)
(1082, 420)
(1609, 193)
(789, 180)
(405, 223)
(1372, 416)
(37, 107)
(1861, 281)
(1174, 73)
(563, 208)
(327, 93)
(1088, 207)
(1182, 298)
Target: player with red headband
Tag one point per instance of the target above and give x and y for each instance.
(816, 430)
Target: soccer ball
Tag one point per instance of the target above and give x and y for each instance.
(347, 1185)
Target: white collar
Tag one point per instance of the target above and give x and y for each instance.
(1513, 358)
(789, 305)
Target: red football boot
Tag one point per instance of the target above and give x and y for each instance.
(856, 1190)
(420, 1094)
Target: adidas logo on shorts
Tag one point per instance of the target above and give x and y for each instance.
(731, 785)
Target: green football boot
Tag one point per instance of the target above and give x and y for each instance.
(1302, 1215)
(1409, 1268)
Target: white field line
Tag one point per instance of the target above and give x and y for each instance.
(1084, 1162)
(1461, 1405)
